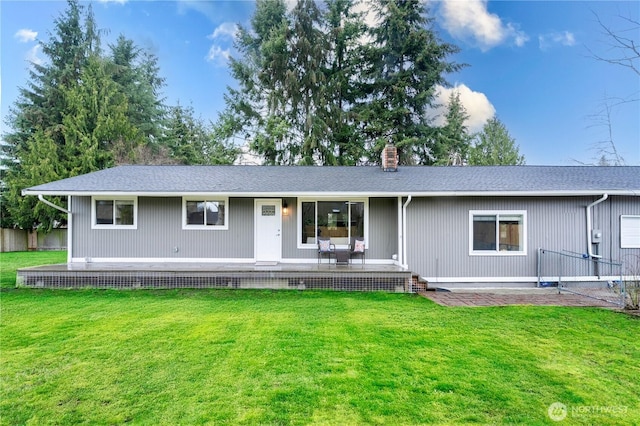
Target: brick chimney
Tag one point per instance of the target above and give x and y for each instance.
(390, 158)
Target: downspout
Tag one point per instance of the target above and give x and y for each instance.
(400, 234)
(589, 243)
(404, 232)
(50, 204)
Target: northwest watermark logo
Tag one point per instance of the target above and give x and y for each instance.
(559, 411)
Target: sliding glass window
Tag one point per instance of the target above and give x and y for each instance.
(339, 220)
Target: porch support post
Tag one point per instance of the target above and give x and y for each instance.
(69, 230)
(400, 234)
(404, 232)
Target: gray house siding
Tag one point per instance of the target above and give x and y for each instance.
(383, 230)
(159, 231)
(606, 216)
(438, 233)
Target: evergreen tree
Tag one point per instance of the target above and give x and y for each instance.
(452, 145)
(306, 84)
(344, 33)
(39, 162)
(256, 110)
(494, 146)
(96, 125)
(403, 66)
(81, 111)
(137, 74)
(36, 119)
(295, 74)
(190, 141)
(40, 105)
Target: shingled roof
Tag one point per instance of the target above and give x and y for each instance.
(362, 181)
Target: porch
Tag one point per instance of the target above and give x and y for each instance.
(161, 275)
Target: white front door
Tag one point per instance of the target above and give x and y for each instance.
(268, 230)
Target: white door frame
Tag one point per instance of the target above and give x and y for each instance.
(272, 252)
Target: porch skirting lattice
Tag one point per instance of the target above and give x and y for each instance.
(382, 278)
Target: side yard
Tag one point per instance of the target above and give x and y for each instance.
(289, 357)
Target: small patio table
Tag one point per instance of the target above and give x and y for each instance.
(342, 256)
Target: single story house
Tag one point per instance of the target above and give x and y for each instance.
(480, 225)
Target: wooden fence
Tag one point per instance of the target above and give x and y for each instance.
(22, 240)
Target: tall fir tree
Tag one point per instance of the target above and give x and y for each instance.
(452, 145)
(344, 29)
(256, 109)
(82, 110)
(38, 114)
(137, 74)
(404, 65)
(306, 85)
(96, 124)
(494, 146)
(39, 162)
(40, 105)
(189, 141)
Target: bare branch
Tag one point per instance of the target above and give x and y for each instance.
(623, 49)
(606, 150)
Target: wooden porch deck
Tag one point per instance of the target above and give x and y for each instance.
(300, 276)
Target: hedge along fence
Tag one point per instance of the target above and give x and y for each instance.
(22, 240)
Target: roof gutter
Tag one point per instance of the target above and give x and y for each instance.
(50, 204)
(328, 194)
(589, 242)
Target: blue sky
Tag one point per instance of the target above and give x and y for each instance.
(529, 63)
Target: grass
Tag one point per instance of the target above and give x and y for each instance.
(9, 262)
(288, 357)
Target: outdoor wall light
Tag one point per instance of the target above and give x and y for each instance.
(285, 208)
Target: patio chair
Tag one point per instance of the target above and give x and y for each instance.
(357, 248)
(325, 248)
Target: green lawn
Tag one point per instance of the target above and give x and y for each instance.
(9, 262)
(288, 357)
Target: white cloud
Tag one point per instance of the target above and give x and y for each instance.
(563, 38)
(206, 8)
(26, 35)
(226, 29)
(366, 8)
(32, 55)
(476, 104)
(218, 56)
(470, 20)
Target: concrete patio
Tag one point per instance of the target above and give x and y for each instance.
(517, 296)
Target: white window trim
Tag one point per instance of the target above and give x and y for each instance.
(498, 213)
(205, 227)
(94, 225)
(305, 246)
(626, 243)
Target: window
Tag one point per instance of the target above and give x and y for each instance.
(114, 213)
(204, 213)
(629, 231)
(497, 232)
(340, 220)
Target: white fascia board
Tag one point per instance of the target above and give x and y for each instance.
(325, 194)
(524, 193)
(159, 260)
(204, 193)
(489, 280)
